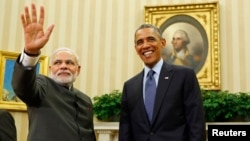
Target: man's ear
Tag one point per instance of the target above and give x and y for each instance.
(163, 42)
(78, 70)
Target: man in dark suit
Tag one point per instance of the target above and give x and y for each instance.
(7, 126)
(177, 109)
(56, 110)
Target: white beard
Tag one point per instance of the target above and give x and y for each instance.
(64, 80)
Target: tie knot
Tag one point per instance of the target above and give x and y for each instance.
(151, 73)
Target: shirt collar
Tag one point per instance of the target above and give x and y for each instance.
(156, 68)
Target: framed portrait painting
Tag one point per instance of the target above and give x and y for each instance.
(8, 98)
(192, 35)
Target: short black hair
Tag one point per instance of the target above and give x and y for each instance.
(146, 25)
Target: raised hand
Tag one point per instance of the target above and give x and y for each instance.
(35, 38)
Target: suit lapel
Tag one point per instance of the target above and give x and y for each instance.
(163, 85)
(140, 95)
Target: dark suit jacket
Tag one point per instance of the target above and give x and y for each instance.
(7, 127)
(55, 112)
(178, 111)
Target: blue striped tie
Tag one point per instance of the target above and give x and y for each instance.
(150, 91)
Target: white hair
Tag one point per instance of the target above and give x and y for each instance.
(64, 49)
(183, 35)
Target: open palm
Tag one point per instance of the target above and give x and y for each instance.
(35, 38)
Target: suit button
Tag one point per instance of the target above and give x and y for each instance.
(151, 133)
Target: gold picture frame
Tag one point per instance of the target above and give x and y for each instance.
(201, 21)
(8, 99)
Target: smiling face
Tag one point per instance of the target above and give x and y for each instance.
(64, 68)
(148, 45)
